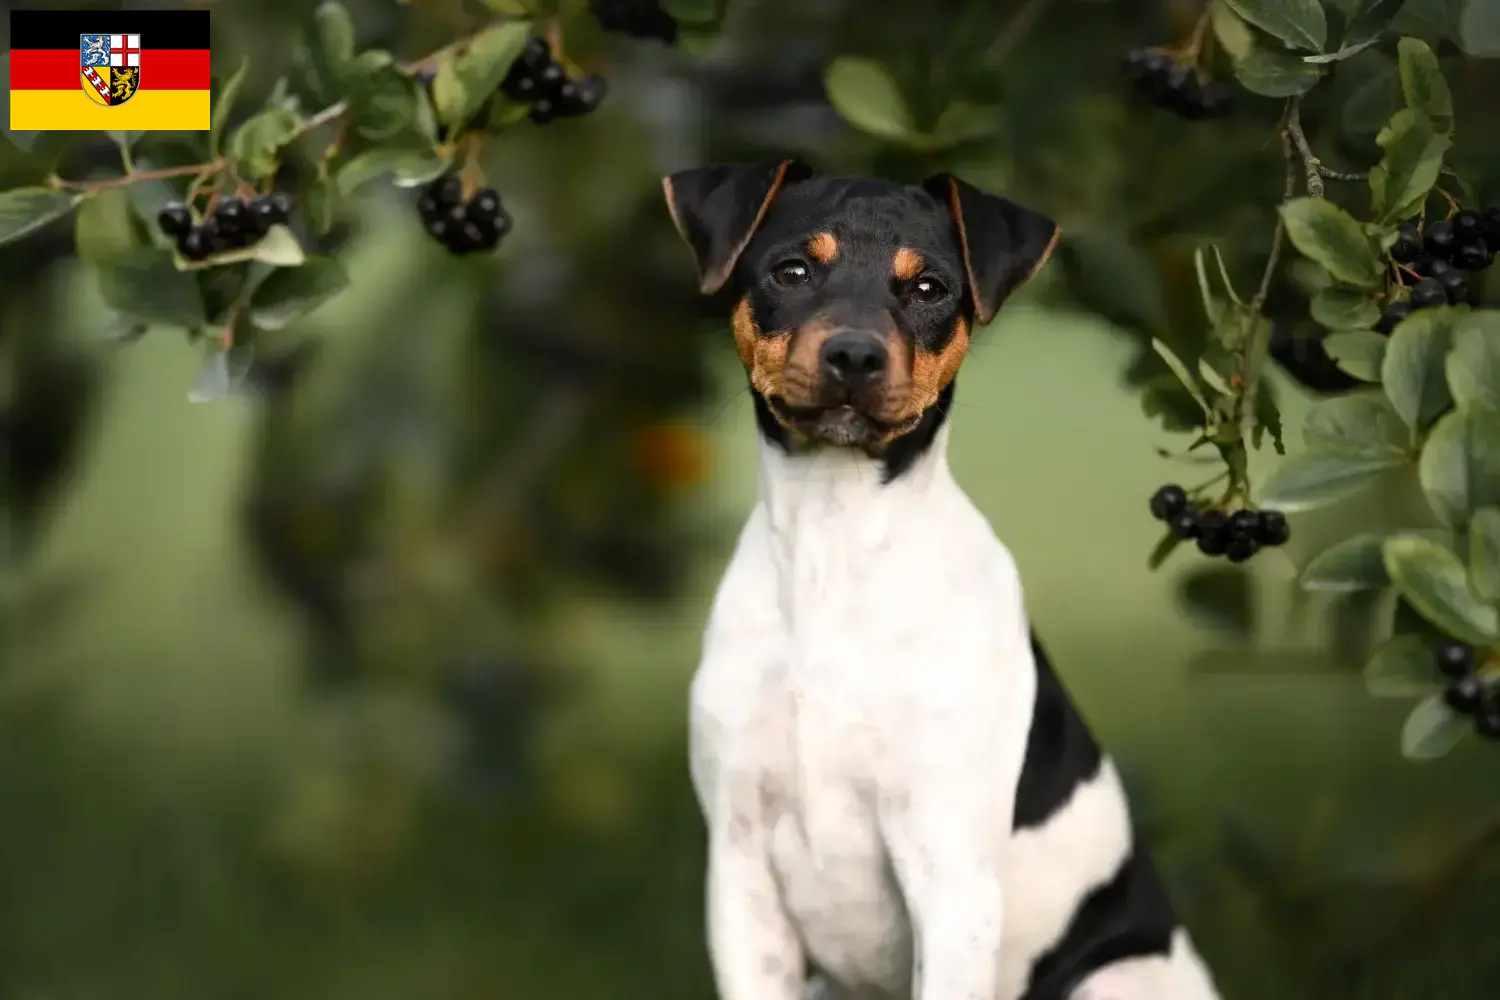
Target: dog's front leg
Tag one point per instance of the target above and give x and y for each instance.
(946, 819)
(755, 952)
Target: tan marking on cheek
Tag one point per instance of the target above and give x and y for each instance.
(823, 248)
(907, 264)
(931, 373)
(764, 357)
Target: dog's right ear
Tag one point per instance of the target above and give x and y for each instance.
(717, 209)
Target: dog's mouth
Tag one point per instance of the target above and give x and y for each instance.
(840, 424)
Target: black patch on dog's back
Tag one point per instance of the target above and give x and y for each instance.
(1060, 751)
(1126, 917)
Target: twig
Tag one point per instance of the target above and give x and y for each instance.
(1342, 175)
(324, 117)
(1016, 30)
(1311, 166)
(1256, 335)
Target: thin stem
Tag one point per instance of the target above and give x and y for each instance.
(1256, 335)
(1194, 47)
(140, 175)
(1016, 30)
(1312, 169)
(1343, 175)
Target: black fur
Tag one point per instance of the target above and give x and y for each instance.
(1126, 917)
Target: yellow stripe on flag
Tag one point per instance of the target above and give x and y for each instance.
(72, 110)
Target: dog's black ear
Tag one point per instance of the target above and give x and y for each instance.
(1004, 244)
(717, 209)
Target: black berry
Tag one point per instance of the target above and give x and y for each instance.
(1456, 284)
(1168, 502)
(1487, 718)
(1241, 548)
(193, 246)
(1185, 523)
(1464, 694)
(229, 213)
(543, 110)
(1434, 267)
(1408, 245)
(1274, 529)
(1244, 524)
(1472, 256)
(176, 220)
(1393, 314)
(1175, 87)
(1455, 659)
(1213, 532)
(1438, 238)
(1468, 224)
(1427, 293)
(1492, 226)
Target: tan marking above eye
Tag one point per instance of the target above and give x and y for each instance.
(823, 248)
(907, 264)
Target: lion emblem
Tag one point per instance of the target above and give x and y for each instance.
(122, 84)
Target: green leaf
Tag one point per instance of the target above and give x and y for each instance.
(322, 203)
(1435, 583)
(1432, 730)
(1484, 553)
(1474, 363)
(1234, 36)
(1299, 23)
(1371, 104)
(1353, 565)
(147, 285)
(1183, 372)
(1400, 667)
(1345, 309)
(1362, 423)
(279, 248)
(1432, 20)
(1423, 84)
(1276, 74)
(1359, 353)
(334, 29)
(1369, 20)
(1460, 465)
(213, 381)
(467, 79)
(1479, 29)
(408, 166)
(1316, 479)
(863, 92)
(288, 294)
(1414, 370)
(105, 227)
(24, 210)
(224, 107)
(1409, 167)
(1329, 236)
(1267, 419)
(257, 144)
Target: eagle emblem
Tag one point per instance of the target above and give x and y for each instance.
(110, 67)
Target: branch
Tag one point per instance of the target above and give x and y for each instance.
(1310, 165)
(324, 117)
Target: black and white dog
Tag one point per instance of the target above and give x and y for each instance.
(902, 803)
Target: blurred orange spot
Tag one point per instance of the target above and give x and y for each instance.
(673, 456)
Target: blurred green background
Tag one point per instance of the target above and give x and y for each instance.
(371, 683)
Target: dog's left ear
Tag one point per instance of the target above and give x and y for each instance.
(717, 209)
(1004, 244)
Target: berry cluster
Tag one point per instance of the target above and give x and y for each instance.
(636, 18)
(1437, 260)
(1236, 536)
(463, 225)
(1175, 86)
(1466, 693)
(233, 224)
(538, 79)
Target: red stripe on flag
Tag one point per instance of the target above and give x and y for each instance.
(60, 69)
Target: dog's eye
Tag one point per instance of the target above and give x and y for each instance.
(926, 290)
(790, 272)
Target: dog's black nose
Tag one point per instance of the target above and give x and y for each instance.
(853, 357)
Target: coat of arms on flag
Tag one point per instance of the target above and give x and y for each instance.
(111, 67)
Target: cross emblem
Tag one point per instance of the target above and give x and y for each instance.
(124, 50)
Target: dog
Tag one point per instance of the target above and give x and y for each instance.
(901, 801)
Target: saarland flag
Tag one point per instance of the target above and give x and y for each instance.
(127, 70)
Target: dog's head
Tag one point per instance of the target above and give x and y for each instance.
(856, 299)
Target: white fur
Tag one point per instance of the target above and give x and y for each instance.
(859, 722)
